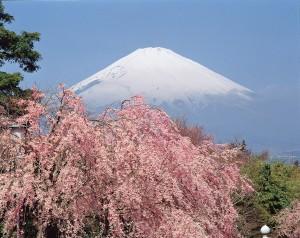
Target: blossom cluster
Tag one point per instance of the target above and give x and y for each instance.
(130, 168)
(289, 221)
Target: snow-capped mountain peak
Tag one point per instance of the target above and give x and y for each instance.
(161, 76)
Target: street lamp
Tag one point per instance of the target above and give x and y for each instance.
(264, 230)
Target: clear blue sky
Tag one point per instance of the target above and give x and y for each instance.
(253, 42)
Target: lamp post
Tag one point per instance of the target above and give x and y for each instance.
(264, 230)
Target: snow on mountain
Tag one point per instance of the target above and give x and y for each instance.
(162, 77)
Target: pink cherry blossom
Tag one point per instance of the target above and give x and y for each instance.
(131, 168)
(289, 222)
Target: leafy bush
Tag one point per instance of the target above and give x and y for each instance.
(277, 185)
(272, 192)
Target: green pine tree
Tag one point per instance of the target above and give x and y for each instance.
(19, 49)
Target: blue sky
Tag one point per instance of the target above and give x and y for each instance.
(255, 43)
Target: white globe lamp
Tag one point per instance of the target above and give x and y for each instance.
(264, 230)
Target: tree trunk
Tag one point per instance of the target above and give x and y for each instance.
(40, 232)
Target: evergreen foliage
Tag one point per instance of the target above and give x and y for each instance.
(19, 49)
(277, 185)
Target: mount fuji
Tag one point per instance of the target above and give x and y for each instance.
(164, 78)
(184, 88)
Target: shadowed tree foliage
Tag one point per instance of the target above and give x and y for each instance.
(194, 132)
(19, 49)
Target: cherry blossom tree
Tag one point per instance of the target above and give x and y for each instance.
(289, 222)
(194, 132)
(130, 172)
